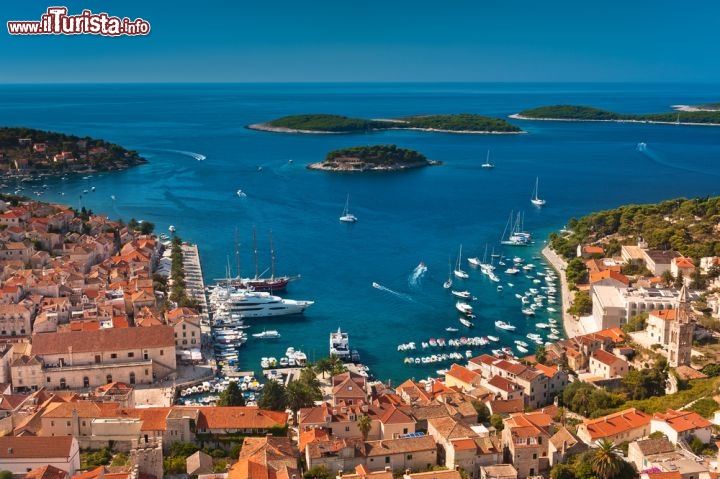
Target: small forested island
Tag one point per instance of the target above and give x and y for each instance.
(588, 113)
(688, 226)
(326, 124)
(372, 158)
(30, 151)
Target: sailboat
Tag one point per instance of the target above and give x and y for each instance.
(487, 165)
(447, 284)
(458, 272)
(535, 200)
(348, 217)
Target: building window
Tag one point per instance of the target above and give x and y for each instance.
(48, 379)
(162, 352)
(387, 459)
(347, 428)
(83, 423)
(63, 385)
(132, 378)
(52, 423)
(405, 430)
(68, 423)
(108, 378)
(113, 356)
(409, 456)
(131, 355)
(534, 455)
(86, 382)
(147, 372)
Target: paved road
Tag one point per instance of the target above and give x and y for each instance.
(572, 326)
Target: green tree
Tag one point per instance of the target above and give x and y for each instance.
(679, 280)
(231, 396)
(323, 366)
(696, 445)
(5, 474)
(483, 413)
(540, 353)
(562, 471)
(273, 397)
(364, 424)
(299, 395)
(606, 461)
(496, 421)
(636, 323)
(318, 472)
(582, 305)
(576, 272)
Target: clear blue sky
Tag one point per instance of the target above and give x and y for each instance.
(392, 40)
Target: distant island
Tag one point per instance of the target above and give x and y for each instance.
(372, 158)
(329, 124)
(703, 107)
(29, 151)
(588, 113)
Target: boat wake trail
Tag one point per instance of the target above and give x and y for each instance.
(192, 154)
(404, 296)
(415, 278)
(660, 159)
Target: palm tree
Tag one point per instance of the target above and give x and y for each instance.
(605, 461)
(364, 424)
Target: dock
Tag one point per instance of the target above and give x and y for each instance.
(194, 284)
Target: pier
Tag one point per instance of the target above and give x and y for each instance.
(194, 284)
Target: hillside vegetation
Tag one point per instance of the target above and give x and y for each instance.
(573, 112)
(688, 226)
(465, 122)
(34, 150)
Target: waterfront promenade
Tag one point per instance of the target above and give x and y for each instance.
(573, 327)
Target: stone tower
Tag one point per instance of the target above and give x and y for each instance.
(146, 457)
(682, 330)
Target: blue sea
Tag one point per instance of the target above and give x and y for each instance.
(404, 218)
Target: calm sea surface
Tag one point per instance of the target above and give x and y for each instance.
(404, 218)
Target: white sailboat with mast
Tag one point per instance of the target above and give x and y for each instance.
(458, 272)
(348, 217)
(448, 284)
(487, 165)
(535, 199)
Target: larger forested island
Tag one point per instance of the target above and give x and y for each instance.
(588, 113)
(372, 158)
(29, 151)
(324, 123)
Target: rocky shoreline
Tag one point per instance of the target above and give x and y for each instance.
(322, 166)
(279, 129)
(517, 116)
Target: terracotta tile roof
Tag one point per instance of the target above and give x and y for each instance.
(664, 314)
(85, 409)
(240, 418)
(34, 447)
(615, 334)
(450, 474)
(664, 475)
(399, 446)
(655, 446)
(153, 418)
(548, 371)
(348, 388)
(502, 406)
(606, 358)
(503, 384)
(91, 474)
(394, 415)
(46, 472)
(616, 423)
(686, 372)
(265, 458)
(683, 262)
(462, 374)
(449, 428)
(103, 340)
(609, 274)
(463, 444)
(511, 367)
(682, 421)
(483, 359)
(564, 437)
(313, 434)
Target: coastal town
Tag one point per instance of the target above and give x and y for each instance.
(98, 353)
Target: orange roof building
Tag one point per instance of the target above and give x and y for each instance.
(626, 425)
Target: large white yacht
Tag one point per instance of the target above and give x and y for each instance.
(257, 304)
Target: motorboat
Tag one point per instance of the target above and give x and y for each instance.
(461, 294)
(339, 344)
(464, 307)
(267, 334)
(503, 325)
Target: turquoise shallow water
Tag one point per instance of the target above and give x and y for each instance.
(421, 215)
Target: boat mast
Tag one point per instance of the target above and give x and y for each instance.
(237, 254)
(255, 253)
(272, 258)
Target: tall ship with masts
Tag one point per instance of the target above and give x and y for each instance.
(258, 282)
